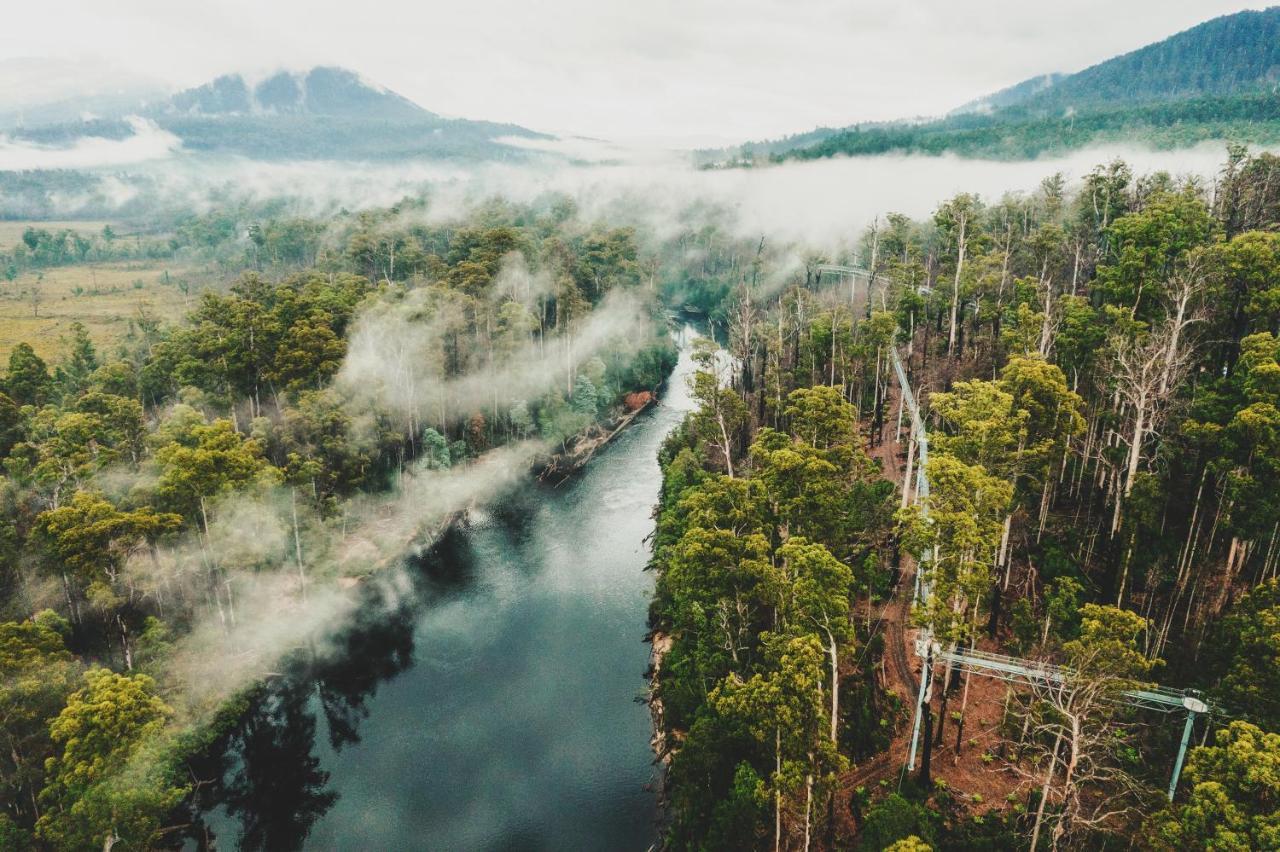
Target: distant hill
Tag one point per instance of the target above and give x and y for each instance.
(322, 91)
(1015, 94)
(322, 113)
(1233, 54)
(42, 90)
(1217, 80)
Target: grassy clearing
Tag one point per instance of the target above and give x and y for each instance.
(39, 308)
(11, 231)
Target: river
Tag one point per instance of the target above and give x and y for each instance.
(497, 707)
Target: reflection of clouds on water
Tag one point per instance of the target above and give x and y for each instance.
(528, 655)
(676, 395)
(477, 517)
(622, 497)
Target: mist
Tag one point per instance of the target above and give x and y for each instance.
(820, 202)
(395, 359)
(148, 142)
(282, 584)
(266, 576)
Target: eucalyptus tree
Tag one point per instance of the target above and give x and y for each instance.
(102, 788)
(782, 707)
(959, 225)
(1234, 804)
(1075, 730)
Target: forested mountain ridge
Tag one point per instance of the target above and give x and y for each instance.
(1227, 55)
(323, 113)
(1216, 80)
(323, 90)
(1015, 94)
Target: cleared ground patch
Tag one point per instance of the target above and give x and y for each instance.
(11, 231)
(39, 307)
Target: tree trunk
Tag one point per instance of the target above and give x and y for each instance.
(777, 789)
(297, 542)
(835, 688)
(955, 293)
(1044, 792)
(728, 452)
(808, 807)
(964, 704)
(124, 643)
(1131, 466)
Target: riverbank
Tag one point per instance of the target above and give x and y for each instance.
(501, 690)
(660, 644)
(583, 447)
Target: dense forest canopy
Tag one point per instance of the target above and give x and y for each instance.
(360, 379)
(1231, 54)
(1093, 359)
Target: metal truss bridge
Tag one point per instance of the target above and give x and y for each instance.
(983, 663)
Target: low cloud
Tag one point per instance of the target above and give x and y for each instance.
(821, 203)
(257, 602)
(147, 143)
(395, 359)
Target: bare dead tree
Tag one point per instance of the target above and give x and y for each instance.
(1145, 368)
(1073, 731)
(1184, 294)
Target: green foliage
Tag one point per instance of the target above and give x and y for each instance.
(435, 449)
(1247, 652)
(756, 594)
(89, 537)
(36, 675)
(895, 819)
(1107, 646)
(1062, 606)
(28, 381)
(204, 461)
(967, 508)
(1234, 803)
(1147, 245)
(93, 793)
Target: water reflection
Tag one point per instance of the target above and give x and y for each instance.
(262, 774)
(494, 707)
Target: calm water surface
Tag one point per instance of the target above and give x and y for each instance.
(496, 708)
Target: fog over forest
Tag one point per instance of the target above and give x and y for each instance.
(792, 427)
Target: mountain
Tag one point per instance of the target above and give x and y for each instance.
(1015, 94)
(322, 91)
(1233, 54)
(1218, 80)
(40, 90)
(322, 113)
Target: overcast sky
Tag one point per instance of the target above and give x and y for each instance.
(687, 71)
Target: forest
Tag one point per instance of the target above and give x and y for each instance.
(165, 498)
(1025, 132)
(1097, 364)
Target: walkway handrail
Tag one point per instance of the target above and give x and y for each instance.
(1004, 667)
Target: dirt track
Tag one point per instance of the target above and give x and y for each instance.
(965, 770)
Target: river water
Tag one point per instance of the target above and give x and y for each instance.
(497, 707)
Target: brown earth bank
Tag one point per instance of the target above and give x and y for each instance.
(581, 448)
(966, 763)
